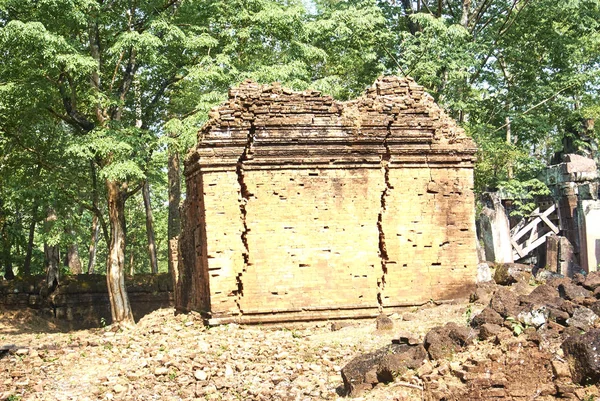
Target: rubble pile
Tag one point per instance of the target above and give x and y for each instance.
(531, 340)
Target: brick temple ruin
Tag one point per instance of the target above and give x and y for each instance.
(302, 207)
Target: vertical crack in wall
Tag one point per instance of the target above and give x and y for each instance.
(432, 189)
(383, 254)
(244, 196)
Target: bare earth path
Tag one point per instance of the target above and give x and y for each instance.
(169, 357)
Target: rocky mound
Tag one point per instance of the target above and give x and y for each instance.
(532, 340)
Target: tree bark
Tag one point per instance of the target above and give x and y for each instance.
(464, 16)
(509, 141)
(9, 274)
(29, 252)
(51, 254)
(52, 265)
(150, 228)
(74, 259)
(115, 264)
(408, 11)
(93, 245)
(174, 219)
(132, 260)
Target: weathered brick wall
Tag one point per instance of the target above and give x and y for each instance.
(82, 299)
(302, 207)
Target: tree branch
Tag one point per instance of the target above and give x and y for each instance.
(478, 14)
(537, 105)
(126, 82)
(135, 190)
(499, 35)
(96, 211)
(69, 103)
(158, 95)
(408, 11)
(156, 12)
(450, 9)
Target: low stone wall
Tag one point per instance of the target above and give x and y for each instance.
(82, 300)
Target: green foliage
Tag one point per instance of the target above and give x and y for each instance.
(518, 328)
(94, 91)
(468, 314)
(518, 75)
(523, 194)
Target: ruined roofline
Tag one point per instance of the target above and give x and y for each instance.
(299, 125)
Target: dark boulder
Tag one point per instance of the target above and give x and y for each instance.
(489, 330)
(541, 295)
(592, 281)
(570, 291)
(583, 318)
(505, 302)
(443, 341)
(489, 316)
(510, 273)
(384, 322)
(381, 366)
(583, 355)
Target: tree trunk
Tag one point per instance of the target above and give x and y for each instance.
(74, 260)
(132, 260)
(51, 254)
(464, 16)
(115, 264)
(509, 141)
(29, 252)
(6, 256)
(408, 11)
(52, 265)
(174, 220)
(150, 228)
(93, 245)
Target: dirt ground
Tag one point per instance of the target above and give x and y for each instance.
(168, 357)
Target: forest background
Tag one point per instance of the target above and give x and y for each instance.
(100, 100)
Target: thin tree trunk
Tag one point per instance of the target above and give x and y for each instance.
(464, 17)
(132, 260)
(115, 266)
(408, 11)
(51, 254)
(174, 219)
(29, 252)
(18, 228)
(509, 141)
(150, 228)
(9, 274)
(93, 245)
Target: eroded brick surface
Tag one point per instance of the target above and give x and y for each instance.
(302, 207)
